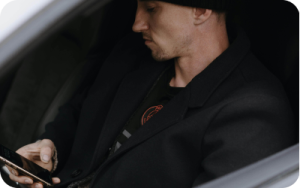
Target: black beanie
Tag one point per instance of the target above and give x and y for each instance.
(220, 5)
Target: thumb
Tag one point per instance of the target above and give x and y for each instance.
(47, 147)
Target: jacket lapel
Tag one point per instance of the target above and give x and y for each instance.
(170, 114)
(130, 94)
(205, 83)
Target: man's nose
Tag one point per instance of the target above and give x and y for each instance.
(140, 24)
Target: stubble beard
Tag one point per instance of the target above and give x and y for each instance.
(160, 54)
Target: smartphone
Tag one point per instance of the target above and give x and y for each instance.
(25, 166)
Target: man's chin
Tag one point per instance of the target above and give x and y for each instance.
(159, 57)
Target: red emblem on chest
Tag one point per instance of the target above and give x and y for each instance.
(150, 112)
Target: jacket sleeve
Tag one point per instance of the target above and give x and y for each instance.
(245, 131)
(62, 130)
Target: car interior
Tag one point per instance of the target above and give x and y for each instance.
(49, 74)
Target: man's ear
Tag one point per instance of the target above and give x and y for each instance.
(201, 15)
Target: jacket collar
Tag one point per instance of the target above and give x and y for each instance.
(203, 85)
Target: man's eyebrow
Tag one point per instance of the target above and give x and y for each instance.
(150, 2)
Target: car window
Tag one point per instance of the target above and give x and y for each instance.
(13, 13)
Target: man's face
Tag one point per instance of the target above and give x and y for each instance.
(165, 28)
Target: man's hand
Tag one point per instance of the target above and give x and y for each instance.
(41, 153)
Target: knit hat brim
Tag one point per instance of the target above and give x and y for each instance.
(220, 5)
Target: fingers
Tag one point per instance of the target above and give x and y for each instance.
(21, 179)
(29, 182)
(13, 171)
(46, 154)
(36, 185)
(30, 151)
(47, 148)
(55, 180)
(9, 168)
(39, 151)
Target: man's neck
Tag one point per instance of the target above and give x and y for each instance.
(203, 53)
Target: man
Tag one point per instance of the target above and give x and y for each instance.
(197, 105)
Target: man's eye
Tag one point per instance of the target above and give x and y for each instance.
(150, 9)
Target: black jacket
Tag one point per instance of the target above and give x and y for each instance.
(230, 115)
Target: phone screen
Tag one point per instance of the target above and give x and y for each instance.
(25, 164)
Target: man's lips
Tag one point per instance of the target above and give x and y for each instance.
(147, 40)
(146, 37)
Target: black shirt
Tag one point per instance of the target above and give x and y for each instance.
(159, 95)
